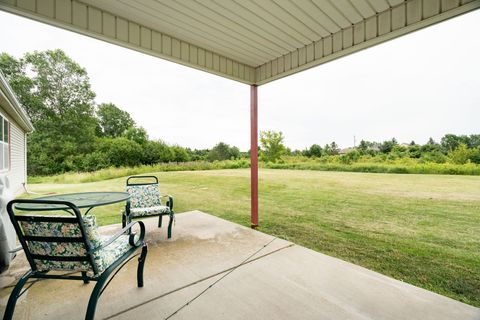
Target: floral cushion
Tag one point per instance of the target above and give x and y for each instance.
(140, 212)
(102, 258)
(63, 229)
(144, 196)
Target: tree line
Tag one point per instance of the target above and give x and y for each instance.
(457, 149)
(73, 133)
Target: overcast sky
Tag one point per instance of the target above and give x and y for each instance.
(421, 85)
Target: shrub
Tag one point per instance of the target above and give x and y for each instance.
(121, 151)
(434, 156)
(460, 155)
(156, 152)
(180, 154)
(111, 172)
(94, 161)
(475, 155)
(387, 146)
(350, 157)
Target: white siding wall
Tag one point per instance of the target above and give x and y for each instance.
(17, 170)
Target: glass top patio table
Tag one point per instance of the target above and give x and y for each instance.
(81, 200)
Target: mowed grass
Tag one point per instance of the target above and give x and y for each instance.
(421, 229)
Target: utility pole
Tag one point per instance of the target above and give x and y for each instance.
(354, 142)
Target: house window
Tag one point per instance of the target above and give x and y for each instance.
(4, 144)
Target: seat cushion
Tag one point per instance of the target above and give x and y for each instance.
(143, 212)
(108, 255)
(102, 258)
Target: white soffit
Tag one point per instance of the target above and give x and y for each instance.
(251, 41)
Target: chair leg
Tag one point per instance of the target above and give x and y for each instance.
(103, 281)
(85, 279)
(170, 223)
(12, 300)
(160, 221)
(97, 291)
(141, 264)
(124, 220)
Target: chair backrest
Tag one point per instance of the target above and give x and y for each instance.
(142, 180)
(56, 242)
(144, 195)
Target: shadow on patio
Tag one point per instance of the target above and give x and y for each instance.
(215, 269)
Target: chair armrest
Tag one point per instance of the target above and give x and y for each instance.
(131, 238)
(170, 200)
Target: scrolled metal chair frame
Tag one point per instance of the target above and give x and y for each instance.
(101, 280)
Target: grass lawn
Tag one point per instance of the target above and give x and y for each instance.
(421, 229)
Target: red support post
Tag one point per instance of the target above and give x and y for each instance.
(254, 155)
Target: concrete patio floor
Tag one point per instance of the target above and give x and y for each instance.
(279, 280)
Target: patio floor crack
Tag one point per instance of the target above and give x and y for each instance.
(226, 272)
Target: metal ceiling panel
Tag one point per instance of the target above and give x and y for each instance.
(379, 5)
(250, 41)
(333, 13)
(348, 10)
(304, 16)
(364, 7)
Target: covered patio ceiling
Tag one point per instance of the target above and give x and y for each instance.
(250, 41)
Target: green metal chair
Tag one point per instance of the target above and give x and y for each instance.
(72, 244)
(146, 201)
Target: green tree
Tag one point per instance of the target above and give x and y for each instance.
(180, 154)
(450, 142)
(137, 134)
(315, 151)
(364, 147)
(431, 141)
(272, 147)
(475, 155)
(387, 146)
(414, 151)
(474, 141)
(57, 96)
(112, 121)
(327, 149)
(223, 151)
(334, 149)
(368, 148)
(22, 85)
(331, 149)
(431, 146)
(197, 154)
